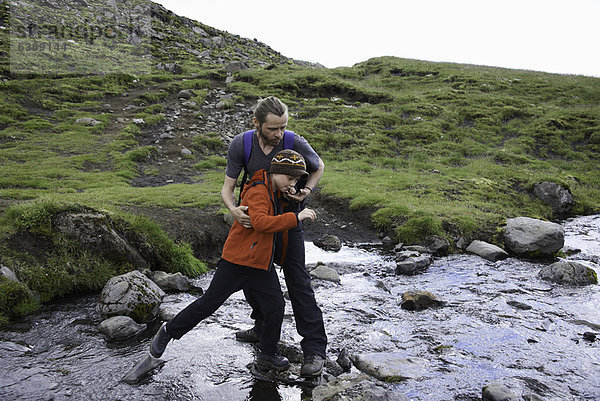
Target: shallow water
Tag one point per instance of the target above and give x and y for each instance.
(483, 334)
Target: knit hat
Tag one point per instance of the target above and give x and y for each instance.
(288, 162)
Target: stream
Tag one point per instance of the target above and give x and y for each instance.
(485, 333)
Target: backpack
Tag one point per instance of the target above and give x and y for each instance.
(288, 143)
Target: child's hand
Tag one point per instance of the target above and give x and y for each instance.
(307, 214)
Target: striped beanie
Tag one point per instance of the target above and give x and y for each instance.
(288, 162)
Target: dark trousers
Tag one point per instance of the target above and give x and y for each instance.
(308, 315)
(230, 278)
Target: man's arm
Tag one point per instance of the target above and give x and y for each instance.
(311, 183)
(228, 198)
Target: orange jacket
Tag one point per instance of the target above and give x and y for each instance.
(255, 247)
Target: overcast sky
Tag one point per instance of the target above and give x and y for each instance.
(542, 35)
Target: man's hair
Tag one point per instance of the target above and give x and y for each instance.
(268, 105)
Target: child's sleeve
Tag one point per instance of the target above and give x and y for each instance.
(258, 201)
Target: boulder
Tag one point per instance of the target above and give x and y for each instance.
(171, 281)
(356, 387)
(436, 245)
(412, 262)
(96, 232)
(185, 94)
(8, 274)
(498, 392)
(120, 327)
(558, 198)
(569, 272)
(89, 121)
(487, 251)
(325, 273)
(390, 366)
(531, 237)
(328, 242)
(131, 294)
(236, 66)
(419, 300)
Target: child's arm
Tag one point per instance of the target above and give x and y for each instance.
(258, 202)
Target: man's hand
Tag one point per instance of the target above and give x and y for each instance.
(239, 213)
(299, 196)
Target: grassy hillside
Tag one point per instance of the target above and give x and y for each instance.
(426, 148)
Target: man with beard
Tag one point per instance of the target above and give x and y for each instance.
(270, 122)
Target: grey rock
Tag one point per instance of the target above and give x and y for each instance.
(185, 94)
(390, 366)
(96, 232)
(131, 294)
(236, 66)
(89, 121)
(120, 327)
(171, 281)
(413, 265)
(419, 300)
(8, 274)
(343, 360)
(569, 272)
(487, 251)
(531, 237)
(328, 242)
(355, 387)
(498, 392)
(558, 198)
(325, 273)
(436, 245)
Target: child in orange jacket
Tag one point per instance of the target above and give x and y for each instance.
(247, 260)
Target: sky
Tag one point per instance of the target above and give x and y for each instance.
(540, 35)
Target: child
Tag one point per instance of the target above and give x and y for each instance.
(247, 259)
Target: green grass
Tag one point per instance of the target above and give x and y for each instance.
(427, 148)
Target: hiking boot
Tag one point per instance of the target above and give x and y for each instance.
(160, 341)
(272, 362)
(312, 366)
(248, 336)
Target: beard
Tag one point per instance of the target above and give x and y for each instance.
(267, 140)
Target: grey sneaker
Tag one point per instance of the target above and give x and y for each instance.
(272, 362)
(160, 341)
(248, 336)
(312, 366)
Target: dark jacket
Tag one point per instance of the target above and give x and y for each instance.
(255, 247)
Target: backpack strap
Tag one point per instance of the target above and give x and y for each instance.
(288, 143)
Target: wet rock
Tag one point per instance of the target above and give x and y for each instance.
(144, 366)
(589, 336)
(498, 392)
(419, 300)
(519, 305)
(89, 121)
(322, 272)
(131, 294)
(436, 245)
(487, 251)
(328, 242)
(412, 262)
(569, 272)
(558, 198)
(343, 360)
(532, 237)
(390, 366)
(170, 281)
(120, 327)
(355, 387)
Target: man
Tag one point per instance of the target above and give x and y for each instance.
(270, 122)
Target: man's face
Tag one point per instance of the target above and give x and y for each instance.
(271, 131)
